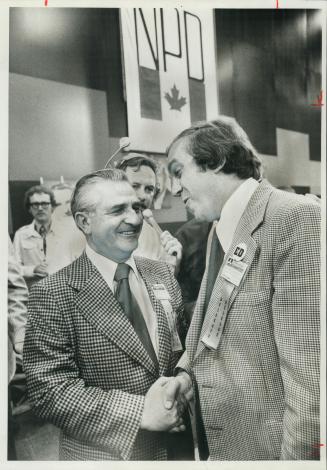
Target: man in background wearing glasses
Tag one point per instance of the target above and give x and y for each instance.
(40, 248)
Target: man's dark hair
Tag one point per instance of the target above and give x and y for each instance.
(135, 161)
(221, 143)
(38, 190)
(80, 201)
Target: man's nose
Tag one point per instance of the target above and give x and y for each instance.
(133, 217)
(176, 187)
(141, 195)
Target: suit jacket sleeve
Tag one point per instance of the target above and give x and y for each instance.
(104, 418)
(28, 270)
(296, 317)
(17, 300)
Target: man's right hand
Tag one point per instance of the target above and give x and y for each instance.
(157, 417)
(181, 385)
(41, 270)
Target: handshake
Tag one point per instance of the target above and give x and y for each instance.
(166, 402)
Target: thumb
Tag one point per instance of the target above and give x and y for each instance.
(169, 393)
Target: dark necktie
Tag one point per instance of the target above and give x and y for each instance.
(215, 261)
(132, 310)
(43, 233)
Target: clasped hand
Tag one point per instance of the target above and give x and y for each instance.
(166, 402)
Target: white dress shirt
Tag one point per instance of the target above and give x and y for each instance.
(107, 269)
(232, 212)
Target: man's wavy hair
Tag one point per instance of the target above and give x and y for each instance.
(81, 199)
(135, 161)
(221, 143)
(38, 189)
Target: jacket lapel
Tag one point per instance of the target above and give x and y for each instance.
(164, 336)
(97, 304)
(250, 221)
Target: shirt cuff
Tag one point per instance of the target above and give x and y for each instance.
(28, 271)
(19, 336)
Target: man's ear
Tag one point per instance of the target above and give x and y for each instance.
(82, 220)
(217, 170)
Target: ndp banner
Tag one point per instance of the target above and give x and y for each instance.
(170, 71)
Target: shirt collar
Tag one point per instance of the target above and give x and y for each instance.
(107, 267)
(232, 212)
(31, 230)
(36, 226)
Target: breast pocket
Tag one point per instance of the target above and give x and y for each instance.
(253, 306)
(28, 245)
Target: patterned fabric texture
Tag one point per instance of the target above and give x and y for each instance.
(87, 371)
(259, 391)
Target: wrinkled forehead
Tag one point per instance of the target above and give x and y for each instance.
(111, 193)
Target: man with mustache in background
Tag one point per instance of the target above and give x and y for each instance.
(141, 172)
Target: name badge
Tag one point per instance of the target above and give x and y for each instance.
(233, 271)
(160, 292)
(176, 344)
(213, 334)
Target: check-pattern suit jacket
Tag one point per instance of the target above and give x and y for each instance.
(87, 371)
(259, 391)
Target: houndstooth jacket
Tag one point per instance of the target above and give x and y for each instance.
(259, 391)
(87, 371)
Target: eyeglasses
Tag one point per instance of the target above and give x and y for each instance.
(36, 205)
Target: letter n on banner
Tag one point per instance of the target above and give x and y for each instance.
(149, 80)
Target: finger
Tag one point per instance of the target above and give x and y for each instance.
(177, 429)
(189, 395)
(172, 245)
(182, 403)
(170, 393)
(162, 381)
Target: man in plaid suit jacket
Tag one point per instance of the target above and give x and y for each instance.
(253, 344)
(87, 370)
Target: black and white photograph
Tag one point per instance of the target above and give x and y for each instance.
(164, 166)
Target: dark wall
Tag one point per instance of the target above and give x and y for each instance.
(74, 46)
(269, 64)
(269, 73)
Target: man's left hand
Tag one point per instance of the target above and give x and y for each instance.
(172, 247)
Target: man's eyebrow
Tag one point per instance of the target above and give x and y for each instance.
(116, 207)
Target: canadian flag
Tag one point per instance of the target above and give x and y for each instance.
(170, 73)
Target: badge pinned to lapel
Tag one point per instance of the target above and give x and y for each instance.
(234, 269)
(160, 292)
(239, 252)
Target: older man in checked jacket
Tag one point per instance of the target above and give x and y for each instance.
(91, 369)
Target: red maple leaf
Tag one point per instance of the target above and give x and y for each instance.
(174, 100)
